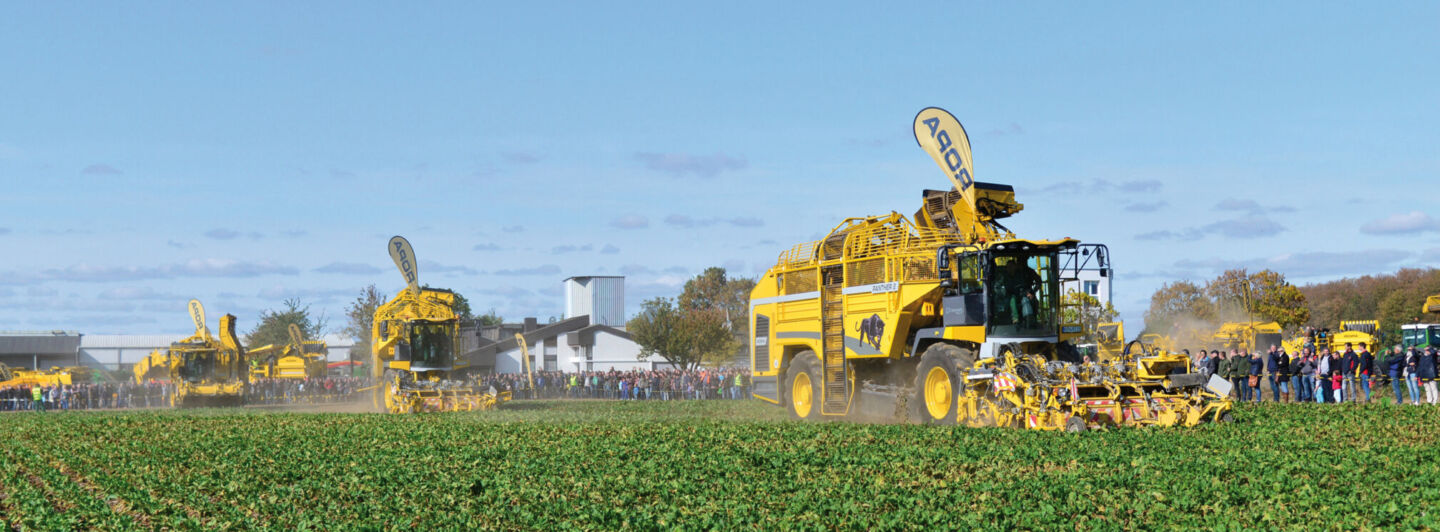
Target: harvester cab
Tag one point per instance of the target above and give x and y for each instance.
(1423, 335)
(1109, 341)
(956, 317)
(1252, 336)
(207, 371)
(296, 359)
(1357, 333)
(414, 343)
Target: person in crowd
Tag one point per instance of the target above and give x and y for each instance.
(1366, 371)
(1350, 368)
(1337, 377)
(1297, 376)
(1307, 376)
(1394, 368)
(1412, 374)
(1215, 360)
(1278, 364)
(1426, 370)
(1239, 371)
(1257, 371)
(37, 395)
(1202, 362)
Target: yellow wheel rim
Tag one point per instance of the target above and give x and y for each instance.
(802, 395)
(938, 397)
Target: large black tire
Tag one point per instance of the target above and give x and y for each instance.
(802, 386)
(939, 379)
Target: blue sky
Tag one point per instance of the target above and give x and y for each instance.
(249, 152)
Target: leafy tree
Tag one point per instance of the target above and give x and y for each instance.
(462, 308)
(491, 318)
(1181, 304)
(1263, 296)
(274, 327)
(1088, 312)
(715, 290)
(683, 337)
(361, 316)
(1394, 299)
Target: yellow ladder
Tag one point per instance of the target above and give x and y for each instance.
(832, 337)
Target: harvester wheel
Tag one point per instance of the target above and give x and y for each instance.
(938, 381)
(1225, 418)
(802, 381)
(1075, 424)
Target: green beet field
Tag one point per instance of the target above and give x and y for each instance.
(721, 465)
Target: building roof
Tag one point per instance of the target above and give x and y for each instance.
(120, 341)
(586, 336)
(39, 343)
(594, 277)
(538, 335)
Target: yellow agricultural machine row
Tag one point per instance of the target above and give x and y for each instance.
(55, 376)
(953, 319)
(299, 359)
(414, 342)
(205, 370)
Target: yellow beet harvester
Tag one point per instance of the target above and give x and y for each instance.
(299, 359)
(206, 371)
(952, 319)
(413, 343)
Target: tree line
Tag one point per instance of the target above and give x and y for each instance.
(1239, 295)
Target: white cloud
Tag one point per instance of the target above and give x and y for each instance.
(1101, 186)
(1150, 206)
(101, 169)
(548, 269)
(135, 293)
(278, 293)
(348, 268)
(520, 157)
(192, 268)
(1399, 224)
(570, 248)
(630, 221)
(435, 267)
(1309, 264)
(1247, 227)
(679, 164)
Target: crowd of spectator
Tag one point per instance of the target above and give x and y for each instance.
(1325, 375)
(86, 396)
(155, 394)
(659, 385)
(271, 391)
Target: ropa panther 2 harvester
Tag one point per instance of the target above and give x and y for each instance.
(414, 349)
(953, 319)
(205, 370)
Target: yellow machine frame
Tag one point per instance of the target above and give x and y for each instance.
(421, 321)
(55, 376)
(926, 301)
(1255, 336)
(207, 371)
(299, 359)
